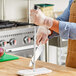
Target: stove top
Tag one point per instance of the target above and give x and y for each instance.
(10, 24)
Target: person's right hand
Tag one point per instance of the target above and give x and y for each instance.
(42, 35)
(38, 18)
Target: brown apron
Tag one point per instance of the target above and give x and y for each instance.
(71, 55)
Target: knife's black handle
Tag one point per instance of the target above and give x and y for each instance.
(35, 7)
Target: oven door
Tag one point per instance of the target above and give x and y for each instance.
(24, 53)
(28, 52)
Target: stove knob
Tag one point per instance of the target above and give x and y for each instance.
(3, 43)
(12, 41)
(25, 39)
(29, 40)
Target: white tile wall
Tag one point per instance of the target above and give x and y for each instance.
(17, 9)
(0, 9)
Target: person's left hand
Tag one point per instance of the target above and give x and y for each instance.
(38, 18)
(42, 35)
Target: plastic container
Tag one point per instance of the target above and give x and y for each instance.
(47, 9)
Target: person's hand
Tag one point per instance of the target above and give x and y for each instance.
(38, 18)
(42, 35)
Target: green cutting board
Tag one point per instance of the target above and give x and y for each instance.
(7, 57)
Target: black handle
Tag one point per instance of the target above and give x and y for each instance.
(35, 7)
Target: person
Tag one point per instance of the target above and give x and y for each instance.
(64, 25)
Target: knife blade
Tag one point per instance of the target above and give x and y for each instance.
(38, 52)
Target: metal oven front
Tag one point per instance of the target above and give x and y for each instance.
(18, 40)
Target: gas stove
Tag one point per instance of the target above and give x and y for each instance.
(17, 37)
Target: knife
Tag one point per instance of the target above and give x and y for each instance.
(37, 54)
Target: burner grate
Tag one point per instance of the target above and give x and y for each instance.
(8, 24)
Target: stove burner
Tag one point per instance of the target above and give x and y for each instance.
(9, 24)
